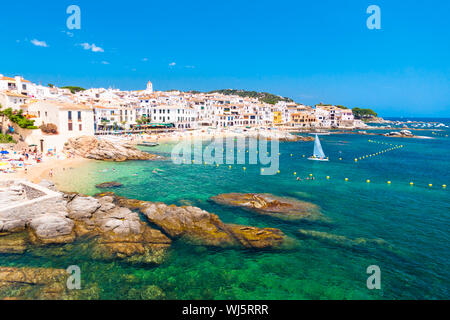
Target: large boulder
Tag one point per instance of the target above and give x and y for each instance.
(268, 204)
(51, 228)
(118, 232)
(82, 207)
(93, 148)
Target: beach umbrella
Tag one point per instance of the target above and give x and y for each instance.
(4, 152)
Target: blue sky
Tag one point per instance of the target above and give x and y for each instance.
(311, 51)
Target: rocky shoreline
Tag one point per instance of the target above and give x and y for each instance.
(115, 230)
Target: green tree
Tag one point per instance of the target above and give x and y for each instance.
(360, 113)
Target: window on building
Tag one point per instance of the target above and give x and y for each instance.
(70, 126)
(69, 114)
(80, 127)
(79, 115)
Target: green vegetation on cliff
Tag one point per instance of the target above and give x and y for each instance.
(364, 113)
(18, 118)
(261, 96)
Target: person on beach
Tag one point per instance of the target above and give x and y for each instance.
(50, 173)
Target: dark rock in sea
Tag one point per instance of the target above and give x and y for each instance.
(268, 204)
(112, 184)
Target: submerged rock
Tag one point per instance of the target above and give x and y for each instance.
(268, 204)
(40, 284)
(112, 184)
(93, 148)
(341, 240)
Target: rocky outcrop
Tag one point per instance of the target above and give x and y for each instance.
(268, 204)
(201, 227)
(118, 232)
(112, 184)
(341, 240)
(93, 148)
(51, 228)
(13, 242)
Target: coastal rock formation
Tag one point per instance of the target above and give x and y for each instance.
(118, 232)
(305, 138)
(13, 243)
(40, 284)
(401, 134)
(51, 228)
(93, 148)
(201, 227)
(198, 226)
(279, 135)
(268, 204)
(82, 207)
(112, 184)
(341, 240)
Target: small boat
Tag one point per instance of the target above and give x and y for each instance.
(318, 154)
(148, 144)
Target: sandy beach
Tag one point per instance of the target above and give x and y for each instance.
(41, 171)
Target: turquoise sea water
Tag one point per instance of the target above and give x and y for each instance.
(413, 220)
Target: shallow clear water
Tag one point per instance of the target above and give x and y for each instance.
(414, 220)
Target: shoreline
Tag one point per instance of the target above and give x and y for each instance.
(41, 171)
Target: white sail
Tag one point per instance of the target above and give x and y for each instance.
(318, 151)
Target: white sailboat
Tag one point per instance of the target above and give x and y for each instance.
(318, 154)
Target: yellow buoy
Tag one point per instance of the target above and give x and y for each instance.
(295, 173)
(193, 161)
(328, 177)
(244, 168)
(303, 156)
(356, 160)
(389, 182)
(310, 174)
(346, 179)
(411, 183)
(229, 167)
(444, 186)
(291, 154)
(430, 185)
(368, 181)
(340, 158)
(278, 171)
(217, 165)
